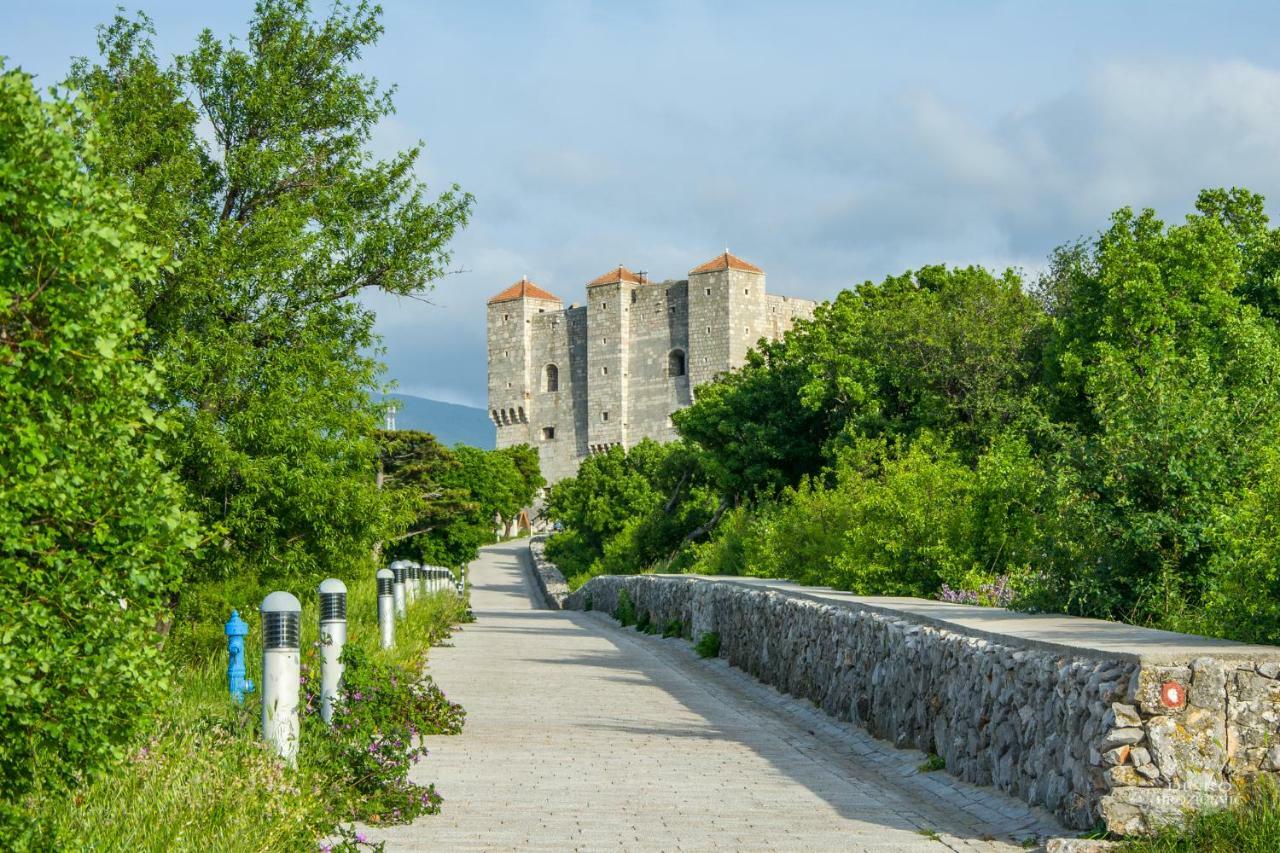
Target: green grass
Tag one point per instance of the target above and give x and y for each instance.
(1251, 824)
(933, 763)
(201, 779)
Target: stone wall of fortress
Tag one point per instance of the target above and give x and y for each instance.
(578, 380)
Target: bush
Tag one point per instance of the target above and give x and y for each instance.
(708, 645)
(625, 612)
(92, 534)
(366, 753)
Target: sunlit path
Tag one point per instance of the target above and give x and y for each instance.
(584, 735)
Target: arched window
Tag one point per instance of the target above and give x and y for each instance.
(675, 363)
(511, 416)
(552, 380)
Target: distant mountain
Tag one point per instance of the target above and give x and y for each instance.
(450, 423)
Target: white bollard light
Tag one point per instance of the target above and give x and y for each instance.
(410, 582)
(333, 636)
(281, 673)
(387, 607)
(397, 587)
(420, 574)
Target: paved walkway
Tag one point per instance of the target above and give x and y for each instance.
(582, 735)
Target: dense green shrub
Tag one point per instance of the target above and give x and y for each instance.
(92, 534)
(708, 645)
(625, 611)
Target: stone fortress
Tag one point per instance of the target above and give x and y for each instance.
(578, 380)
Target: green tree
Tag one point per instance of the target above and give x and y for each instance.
(251, 160)
(462, 489)
(1162, 379)
(416, 471)
(596, 504)
(93, 537)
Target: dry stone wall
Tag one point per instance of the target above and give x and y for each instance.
(1096, 721)
(546, 575)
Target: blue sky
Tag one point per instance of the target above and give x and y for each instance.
(829, 143)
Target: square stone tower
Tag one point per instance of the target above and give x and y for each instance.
(513, 375)
(579, 380)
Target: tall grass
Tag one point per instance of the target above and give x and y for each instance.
(201, 778)
(1251, 824)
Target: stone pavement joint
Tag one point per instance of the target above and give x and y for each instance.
(582, 735)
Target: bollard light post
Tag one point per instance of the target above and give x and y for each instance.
(236, 630)
(333, 636)
(397, 587)
(410, 583)
(420, 572)
(386, 607)
(281, 673)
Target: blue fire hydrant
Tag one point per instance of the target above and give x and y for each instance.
(236, 630)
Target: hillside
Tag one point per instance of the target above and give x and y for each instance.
(450, 423)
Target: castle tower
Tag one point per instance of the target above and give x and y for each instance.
(609, 299)
(726, 315)
(514, 378)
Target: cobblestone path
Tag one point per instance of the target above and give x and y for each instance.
(582, 735)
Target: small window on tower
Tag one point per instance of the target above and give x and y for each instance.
(604, 306)
(604, 416)
(604, 371)
(506, 317)
(675, 363)
(746, 291)
(551, 380)
(633, 297)
(548, 433)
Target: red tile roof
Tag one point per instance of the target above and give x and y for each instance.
(725, 261)
(616, 275)
(523, 289)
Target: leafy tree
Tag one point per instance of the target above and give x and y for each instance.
(93, 537)
(416, 469)
(596, 504)
(750, 426)
(1164, 381)
(251, 160)
(454, 494)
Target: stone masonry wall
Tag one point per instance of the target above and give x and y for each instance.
(612, 359)
(1092, 732)
(546, 575)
